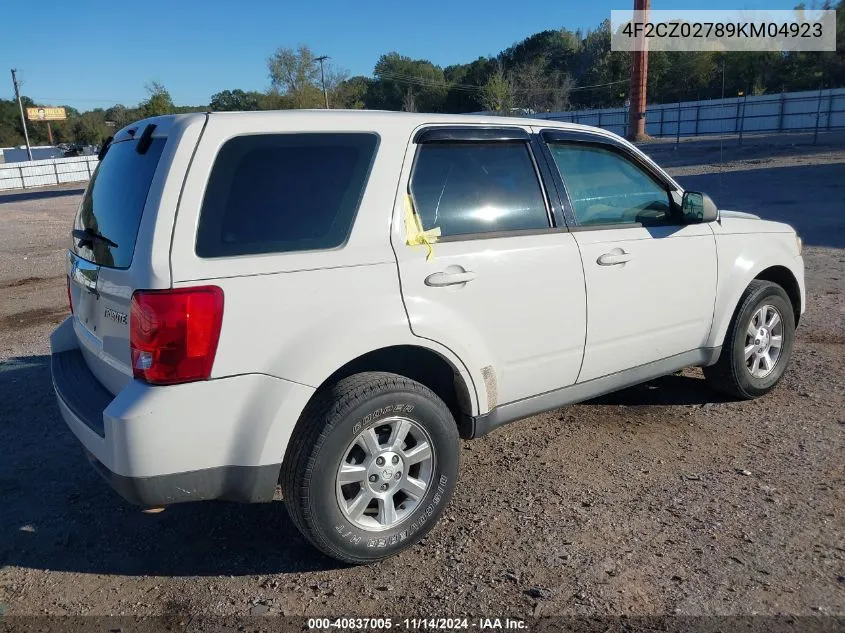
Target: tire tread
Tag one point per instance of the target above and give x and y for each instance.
(318, 421)
(724, 374)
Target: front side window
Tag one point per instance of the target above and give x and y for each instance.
(477, 187)
(604, 187)
(271, 193)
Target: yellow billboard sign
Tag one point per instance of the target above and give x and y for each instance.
(46, 114)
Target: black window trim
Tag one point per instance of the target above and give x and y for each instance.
(492, 235)
(612, 144)
(555, 182)
(472, 137)
(552, 135)
(353, 219)
(469, 133)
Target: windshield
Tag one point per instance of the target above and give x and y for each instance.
(111, 210)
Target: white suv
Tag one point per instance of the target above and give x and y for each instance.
(328, 300)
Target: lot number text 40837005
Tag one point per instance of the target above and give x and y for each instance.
(417, 624)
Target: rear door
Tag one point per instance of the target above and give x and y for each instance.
(503, 286)
(102, 252)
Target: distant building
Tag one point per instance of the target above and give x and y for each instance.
(19, 155)
(45, 152)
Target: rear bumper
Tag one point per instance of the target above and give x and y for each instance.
(247, 484)
(215, 439)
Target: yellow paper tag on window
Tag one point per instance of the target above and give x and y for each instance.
(414, 230)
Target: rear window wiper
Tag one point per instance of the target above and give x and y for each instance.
(88, 236)
(105, 148)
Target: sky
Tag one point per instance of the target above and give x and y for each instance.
(89, 54)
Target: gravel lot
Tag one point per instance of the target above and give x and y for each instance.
(661, 499)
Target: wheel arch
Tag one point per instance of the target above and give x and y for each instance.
(738, 276)
(783, 277)
(421, 364)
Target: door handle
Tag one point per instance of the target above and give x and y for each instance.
(612, 259)
(441, 279)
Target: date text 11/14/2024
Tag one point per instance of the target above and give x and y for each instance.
(416, 624)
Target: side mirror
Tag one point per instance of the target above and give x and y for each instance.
(698, 207)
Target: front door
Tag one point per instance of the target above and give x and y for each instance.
(650, 276)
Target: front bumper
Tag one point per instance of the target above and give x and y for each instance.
(158, 445)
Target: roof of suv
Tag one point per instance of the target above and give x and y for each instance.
(412, 119)
(377, 117)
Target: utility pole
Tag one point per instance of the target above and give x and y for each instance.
(321, 59)
(20, 106)
(639, 77)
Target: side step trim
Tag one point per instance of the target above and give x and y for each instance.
(481, 425)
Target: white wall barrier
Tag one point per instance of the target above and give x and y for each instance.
(810, 111)
(43, 173)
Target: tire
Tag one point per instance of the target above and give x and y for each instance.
(743, 378)
(338, 428)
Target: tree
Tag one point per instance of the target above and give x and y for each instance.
(409, 101)
(536, 88)
(296, 73)
(465, 82)
(121, 116)
(557, 48)
(274, 100)
(605, 72)
(90, 128)
(395, 73)
(11, 132)
(291, 70)
(158, 102)
(351, 93)
(231, 100)
(497, 94)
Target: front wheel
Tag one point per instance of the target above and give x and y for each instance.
(758, 343)
(371, 466)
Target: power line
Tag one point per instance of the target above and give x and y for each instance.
(422, 81)
(431, 83)
(609, 83)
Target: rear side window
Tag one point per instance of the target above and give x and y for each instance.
(275, 193)
(477, 187)
(114, 203)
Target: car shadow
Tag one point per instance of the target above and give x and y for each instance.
(40, 194)
(58, 514)
(672, 390)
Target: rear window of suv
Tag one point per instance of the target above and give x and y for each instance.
(114, 203)
(274, 193)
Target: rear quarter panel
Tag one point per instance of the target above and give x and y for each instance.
(302, 315)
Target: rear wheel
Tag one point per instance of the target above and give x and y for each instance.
(758, 343)
(371, 466)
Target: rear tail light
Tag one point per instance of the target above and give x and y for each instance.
(69, 297)
(173, 334)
